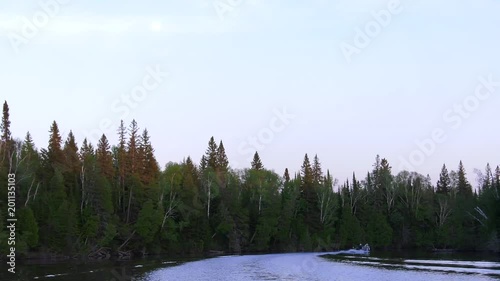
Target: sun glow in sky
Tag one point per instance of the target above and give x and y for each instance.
(156, 26)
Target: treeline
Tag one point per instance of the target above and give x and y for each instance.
(104, 200)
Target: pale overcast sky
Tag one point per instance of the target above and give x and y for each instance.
(353, 83)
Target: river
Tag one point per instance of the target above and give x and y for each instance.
(296, 266)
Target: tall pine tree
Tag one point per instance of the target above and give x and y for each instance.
(444, 183)
(6, 143)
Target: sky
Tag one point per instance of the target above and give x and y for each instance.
(416, 82)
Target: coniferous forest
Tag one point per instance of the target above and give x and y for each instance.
(100, 200)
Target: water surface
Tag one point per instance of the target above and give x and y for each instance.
(297, 266)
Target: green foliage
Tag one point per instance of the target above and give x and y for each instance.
(57, 189)
(148, 222)
(108, 236)
(350, 230)
(90, 224)
(379, 231)
(62, 228)
(73, 200)
(104, 195)
(28, 229)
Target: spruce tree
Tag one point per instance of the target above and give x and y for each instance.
(307, 173)
(5, 125)
(443, 185)
(211, 154)
(376, 171)
(121, 162)
(488, 181)
(132, 173)
(256, 162)
(88, 176)
(464, 187)
(317, 172)
(203, 164)
(133, 149)
(384, 193)
(311, 210)
(286, 176)
(356, 195)
(133, 165)
(72, 167)
(208, 176)
(222, 162)
(497, 181)
(104, 158)
(190, 177)
(6, 144)
(54, 151)
(70, 150)
(28, 172)
(28, 144)
(150, 169)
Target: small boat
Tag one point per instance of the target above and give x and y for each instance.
(361, 250)
(366, 248)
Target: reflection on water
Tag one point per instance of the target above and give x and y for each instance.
(92, 270)
(310, 266)
(299, 266)
(489, 268)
